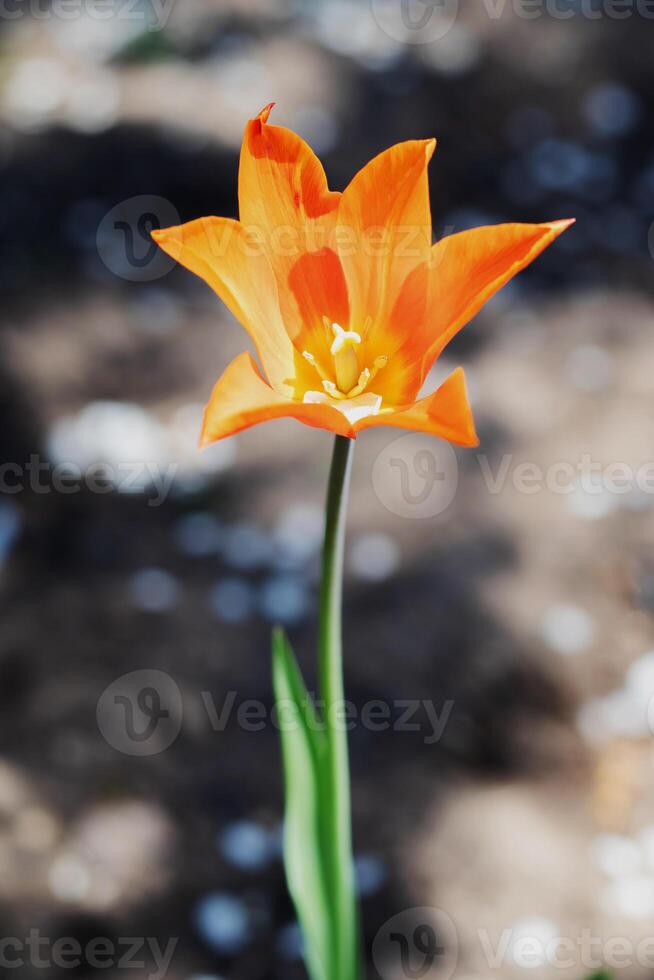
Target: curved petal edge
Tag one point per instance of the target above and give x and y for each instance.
(241, 398)
(445, 413)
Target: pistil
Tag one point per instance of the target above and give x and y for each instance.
(346, 362)
(350, 381)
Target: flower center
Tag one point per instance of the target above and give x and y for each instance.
(346, 362)
(350, 380)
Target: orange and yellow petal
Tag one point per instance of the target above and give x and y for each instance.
(445, 413)
(463, 272)
(383, 230)
(224, 254)
(241, 398)
(281, 182)
(285, 200)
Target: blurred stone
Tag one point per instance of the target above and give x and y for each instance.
(153, 590)
(247, 845)
(528, 124)
(223, 922)
(69, 879)
(36, 829)
(370, 873)
(289, 943)
(246, 547)
(612, 109)
(198, 534)
(615, 855)
(116, 855)
(10, 527)
(567, 629)
(156, 310)
(639, 679)
(374, 557)
(589, 368)
(536, 934)
(645, 839)
(591, 500)
(284, 599)
(297, 535)
(631, 896)
(232, 600)
(14, 789)
(456, 53)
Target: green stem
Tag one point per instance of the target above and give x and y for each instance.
(336, 777)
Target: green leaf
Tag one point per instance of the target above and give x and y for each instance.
(303, 748)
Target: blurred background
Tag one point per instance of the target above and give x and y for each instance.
(505, 623)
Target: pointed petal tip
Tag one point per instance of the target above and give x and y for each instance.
(560, 226)
(472, 437)
(204, 438)
(446, 414)
(469, 439)
(173, 234)
(262, 117)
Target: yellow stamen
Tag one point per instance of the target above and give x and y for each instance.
(361, 385)
(367, 375)
(314, 364)
(332, 390)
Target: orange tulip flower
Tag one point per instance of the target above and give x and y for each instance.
(347, 301)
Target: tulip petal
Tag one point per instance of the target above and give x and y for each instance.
(383, 228)
(241, 398)
(464, 271)
(283, 198)
(221, 252)
(445, 413)
(281, 182)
